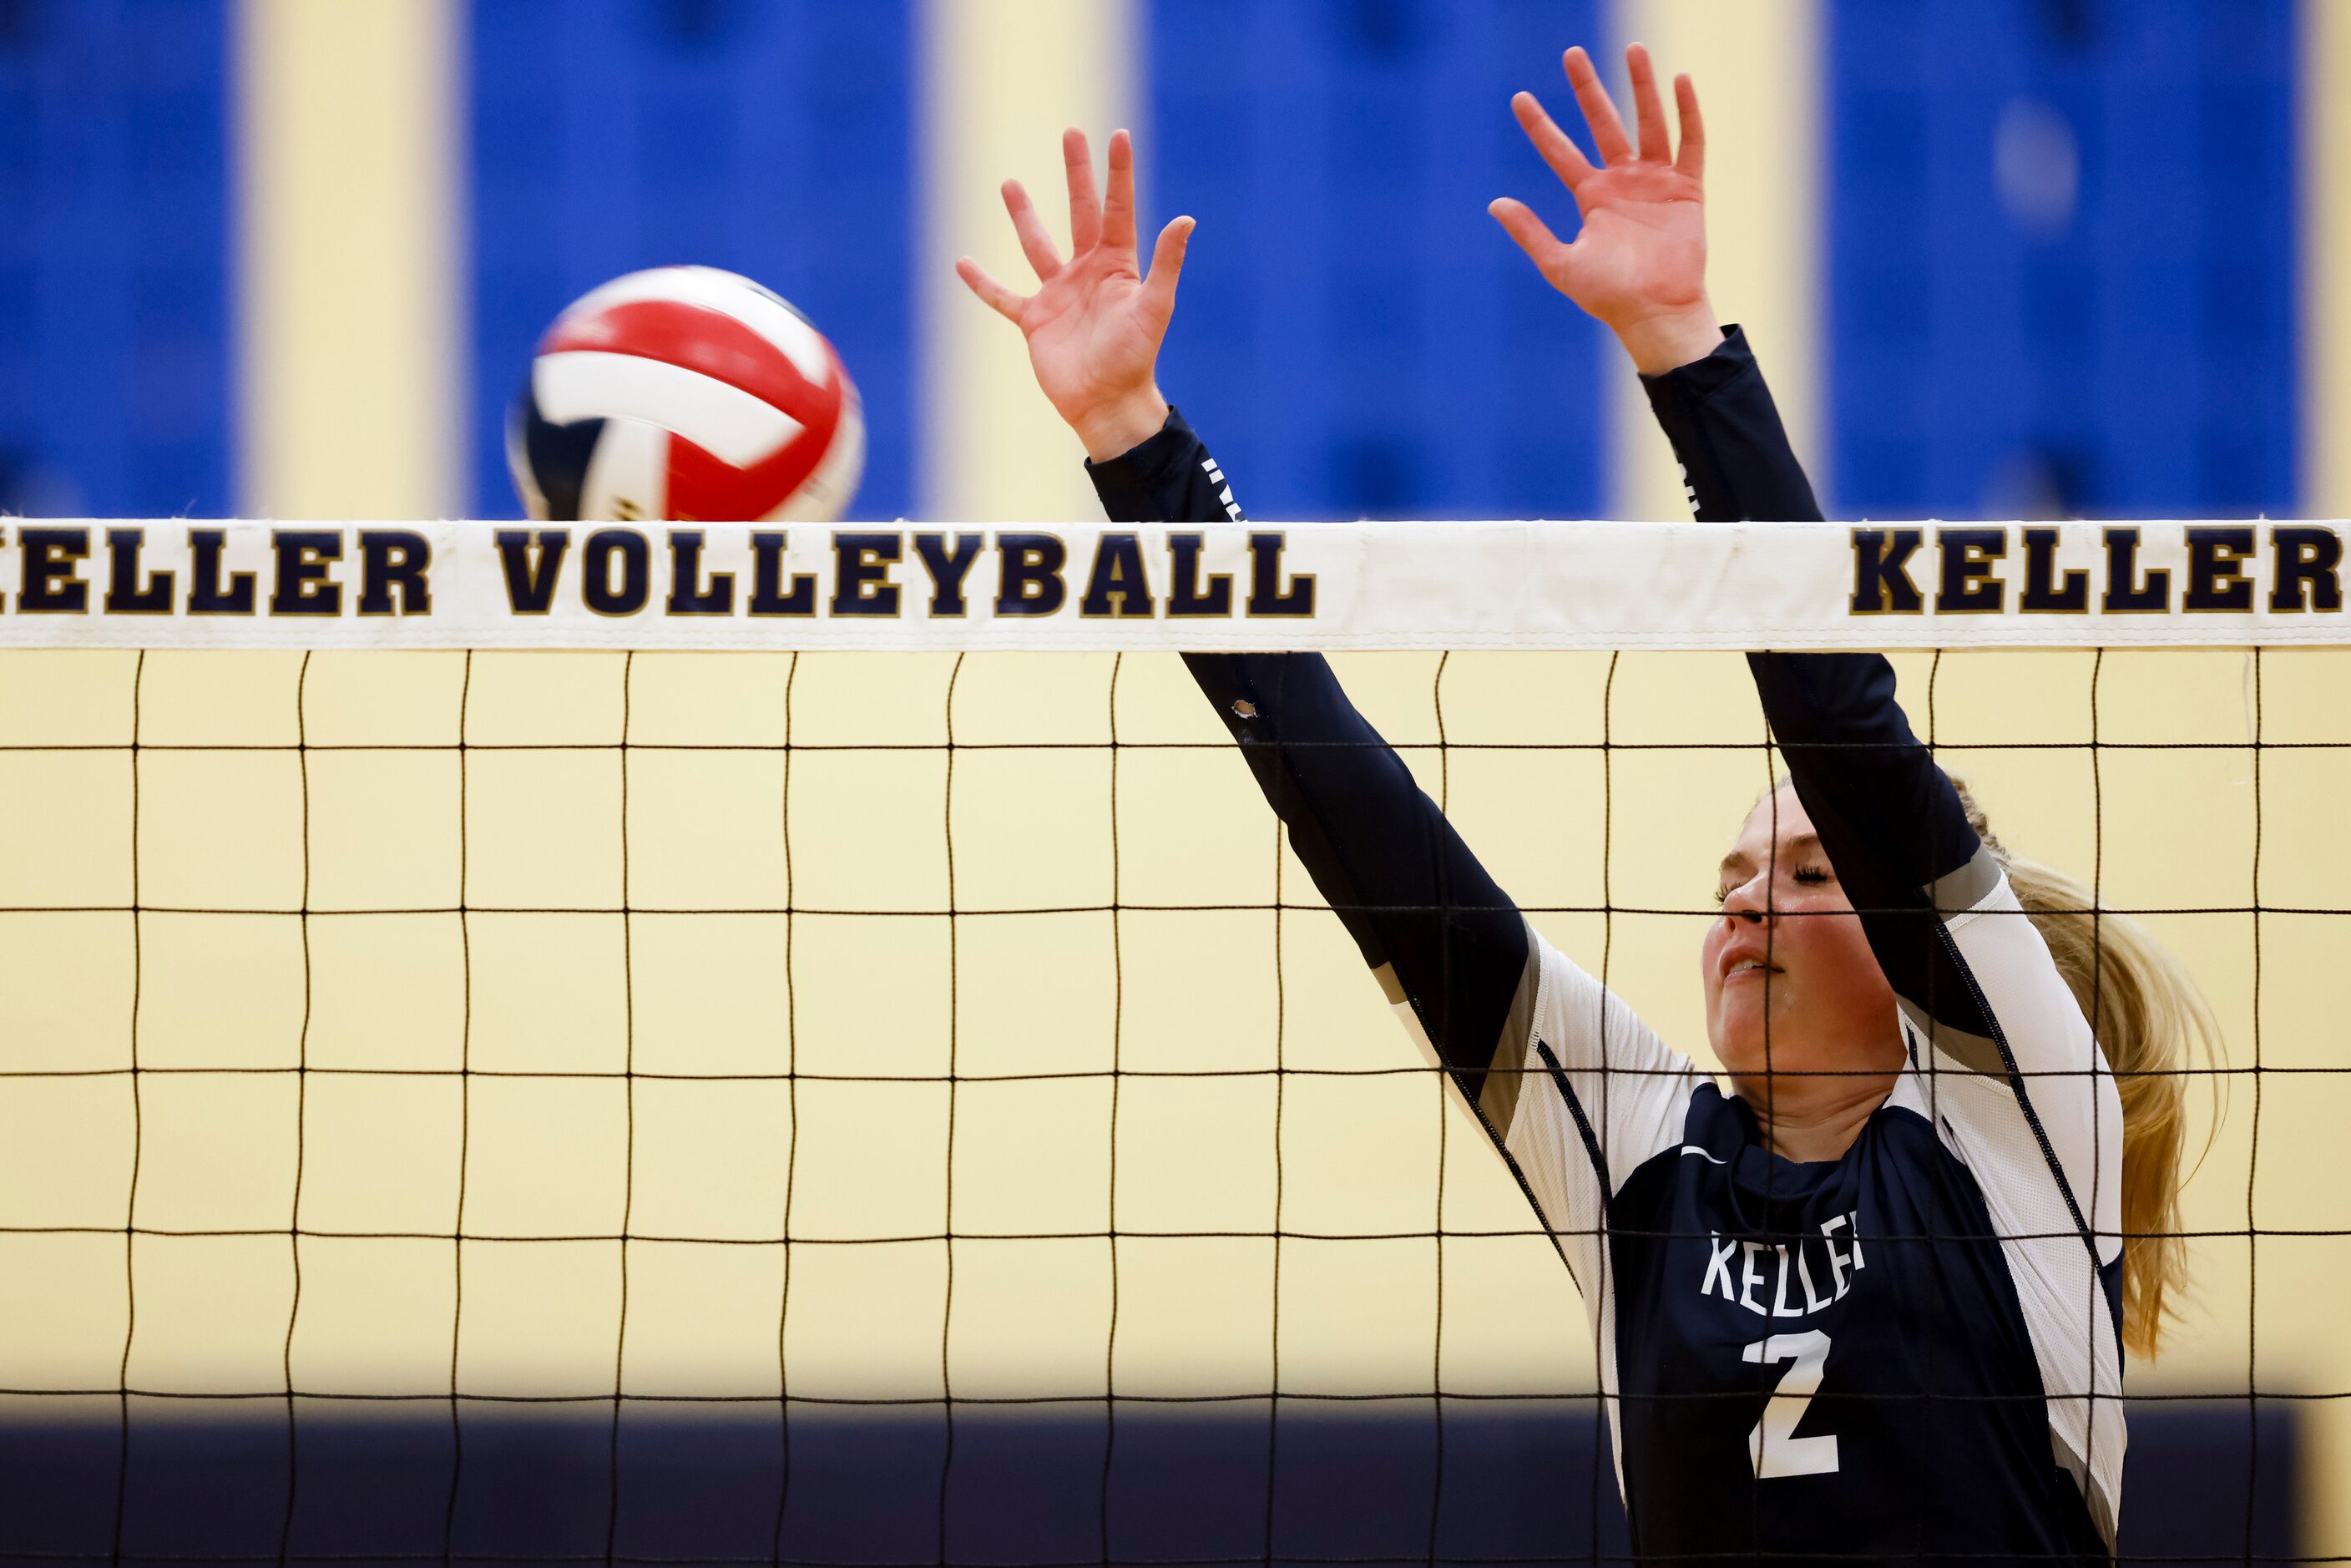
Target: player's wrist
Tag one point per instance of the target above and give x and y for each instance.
(1118, 427)
(1669, 339)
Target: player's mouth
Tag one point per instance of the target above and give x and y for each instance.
(1736, 966)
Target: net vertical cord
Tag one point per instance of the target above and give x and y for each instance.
(955, 1014)
(629, 1113)
(464, 1114)
(302, 1123)
(792, 1136)
(1441, 1078)
(1932, 1063)
(1117, 1062)
(1280, 1080)
(2253, 1158)
(1766, 1382)
(2092, 1307)
(137, 1135)
(1600, 1438)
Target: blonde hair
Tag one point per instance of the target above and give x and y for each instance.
(2154, 1026)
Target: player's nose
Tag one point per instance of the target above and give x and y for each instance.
(1748, 902)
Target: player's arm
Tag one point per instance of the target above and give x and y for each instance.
(1429, 920)
(1983, 991)
(1574, 1089)
(1419, 904)
(1889, 820)
(1638, 266)
(1975, 981)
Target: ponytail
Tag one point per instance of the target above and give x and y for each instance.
(2154, 1026)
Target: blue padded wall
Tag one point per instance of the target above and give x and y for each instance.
(770, 137)
(1354, 336)
(115, 362)
(1999, 349)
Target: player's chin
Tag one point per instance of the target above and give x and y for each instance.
(1753, 1033)
(1740, 1037)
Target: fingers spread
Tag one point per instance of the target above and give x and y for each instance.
(1085, 206)
(1034, 242)
(1566, 158)
(1648, 109)
(1534, 235)
(1166, 268)
(1599, 112)
(1118, 211)
(1692, 161)
(998, 297)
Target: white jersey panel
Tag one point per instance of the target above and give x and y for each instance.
(1630, 1098)
(2046, 1150)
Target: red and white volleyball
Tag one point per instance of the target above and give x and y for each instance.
(689, 394)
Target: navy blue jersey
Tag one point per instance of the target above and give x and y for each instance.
(1911, 1351)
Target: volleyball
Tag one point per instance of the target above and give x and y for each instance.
(689, 394)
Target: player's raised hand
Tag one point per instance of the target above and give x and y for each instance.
(1639, 263)
(1095, 323)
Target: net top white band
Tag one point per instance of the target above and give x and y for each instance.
(179, 583)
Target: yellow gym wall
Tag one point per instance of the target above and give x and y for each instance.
(1001, 79)
(1756, 67)
(351, 384)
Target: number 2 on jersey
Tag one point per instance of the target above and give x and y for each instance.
(1773, 1445)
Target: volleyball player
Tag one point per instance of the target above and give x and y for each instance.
(1872, 1302)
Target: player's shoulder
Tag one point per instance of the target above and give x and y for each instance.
(1563, 1002)
(1558, 977)
(1979, 888)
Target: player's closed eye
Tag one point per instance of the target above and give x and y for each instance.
(1811, 876)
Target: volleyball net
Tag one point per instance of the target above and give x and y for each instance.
(713, 975)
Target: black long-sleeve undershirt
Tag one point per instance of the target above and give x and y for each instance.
(1888, 817)
(1416, 899)
(1381, 854)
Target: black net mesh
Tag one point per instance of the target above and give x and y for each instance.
(874, 1109)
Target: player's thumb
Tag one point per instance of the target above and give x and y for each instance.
(1533, 235)
(1555, 260)
(1166, 268)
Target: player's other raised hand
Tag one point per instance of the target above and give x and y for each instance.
(1639, 263)
(1095, 323)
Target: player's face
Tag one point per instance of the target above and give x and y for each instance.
(1787, 962)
